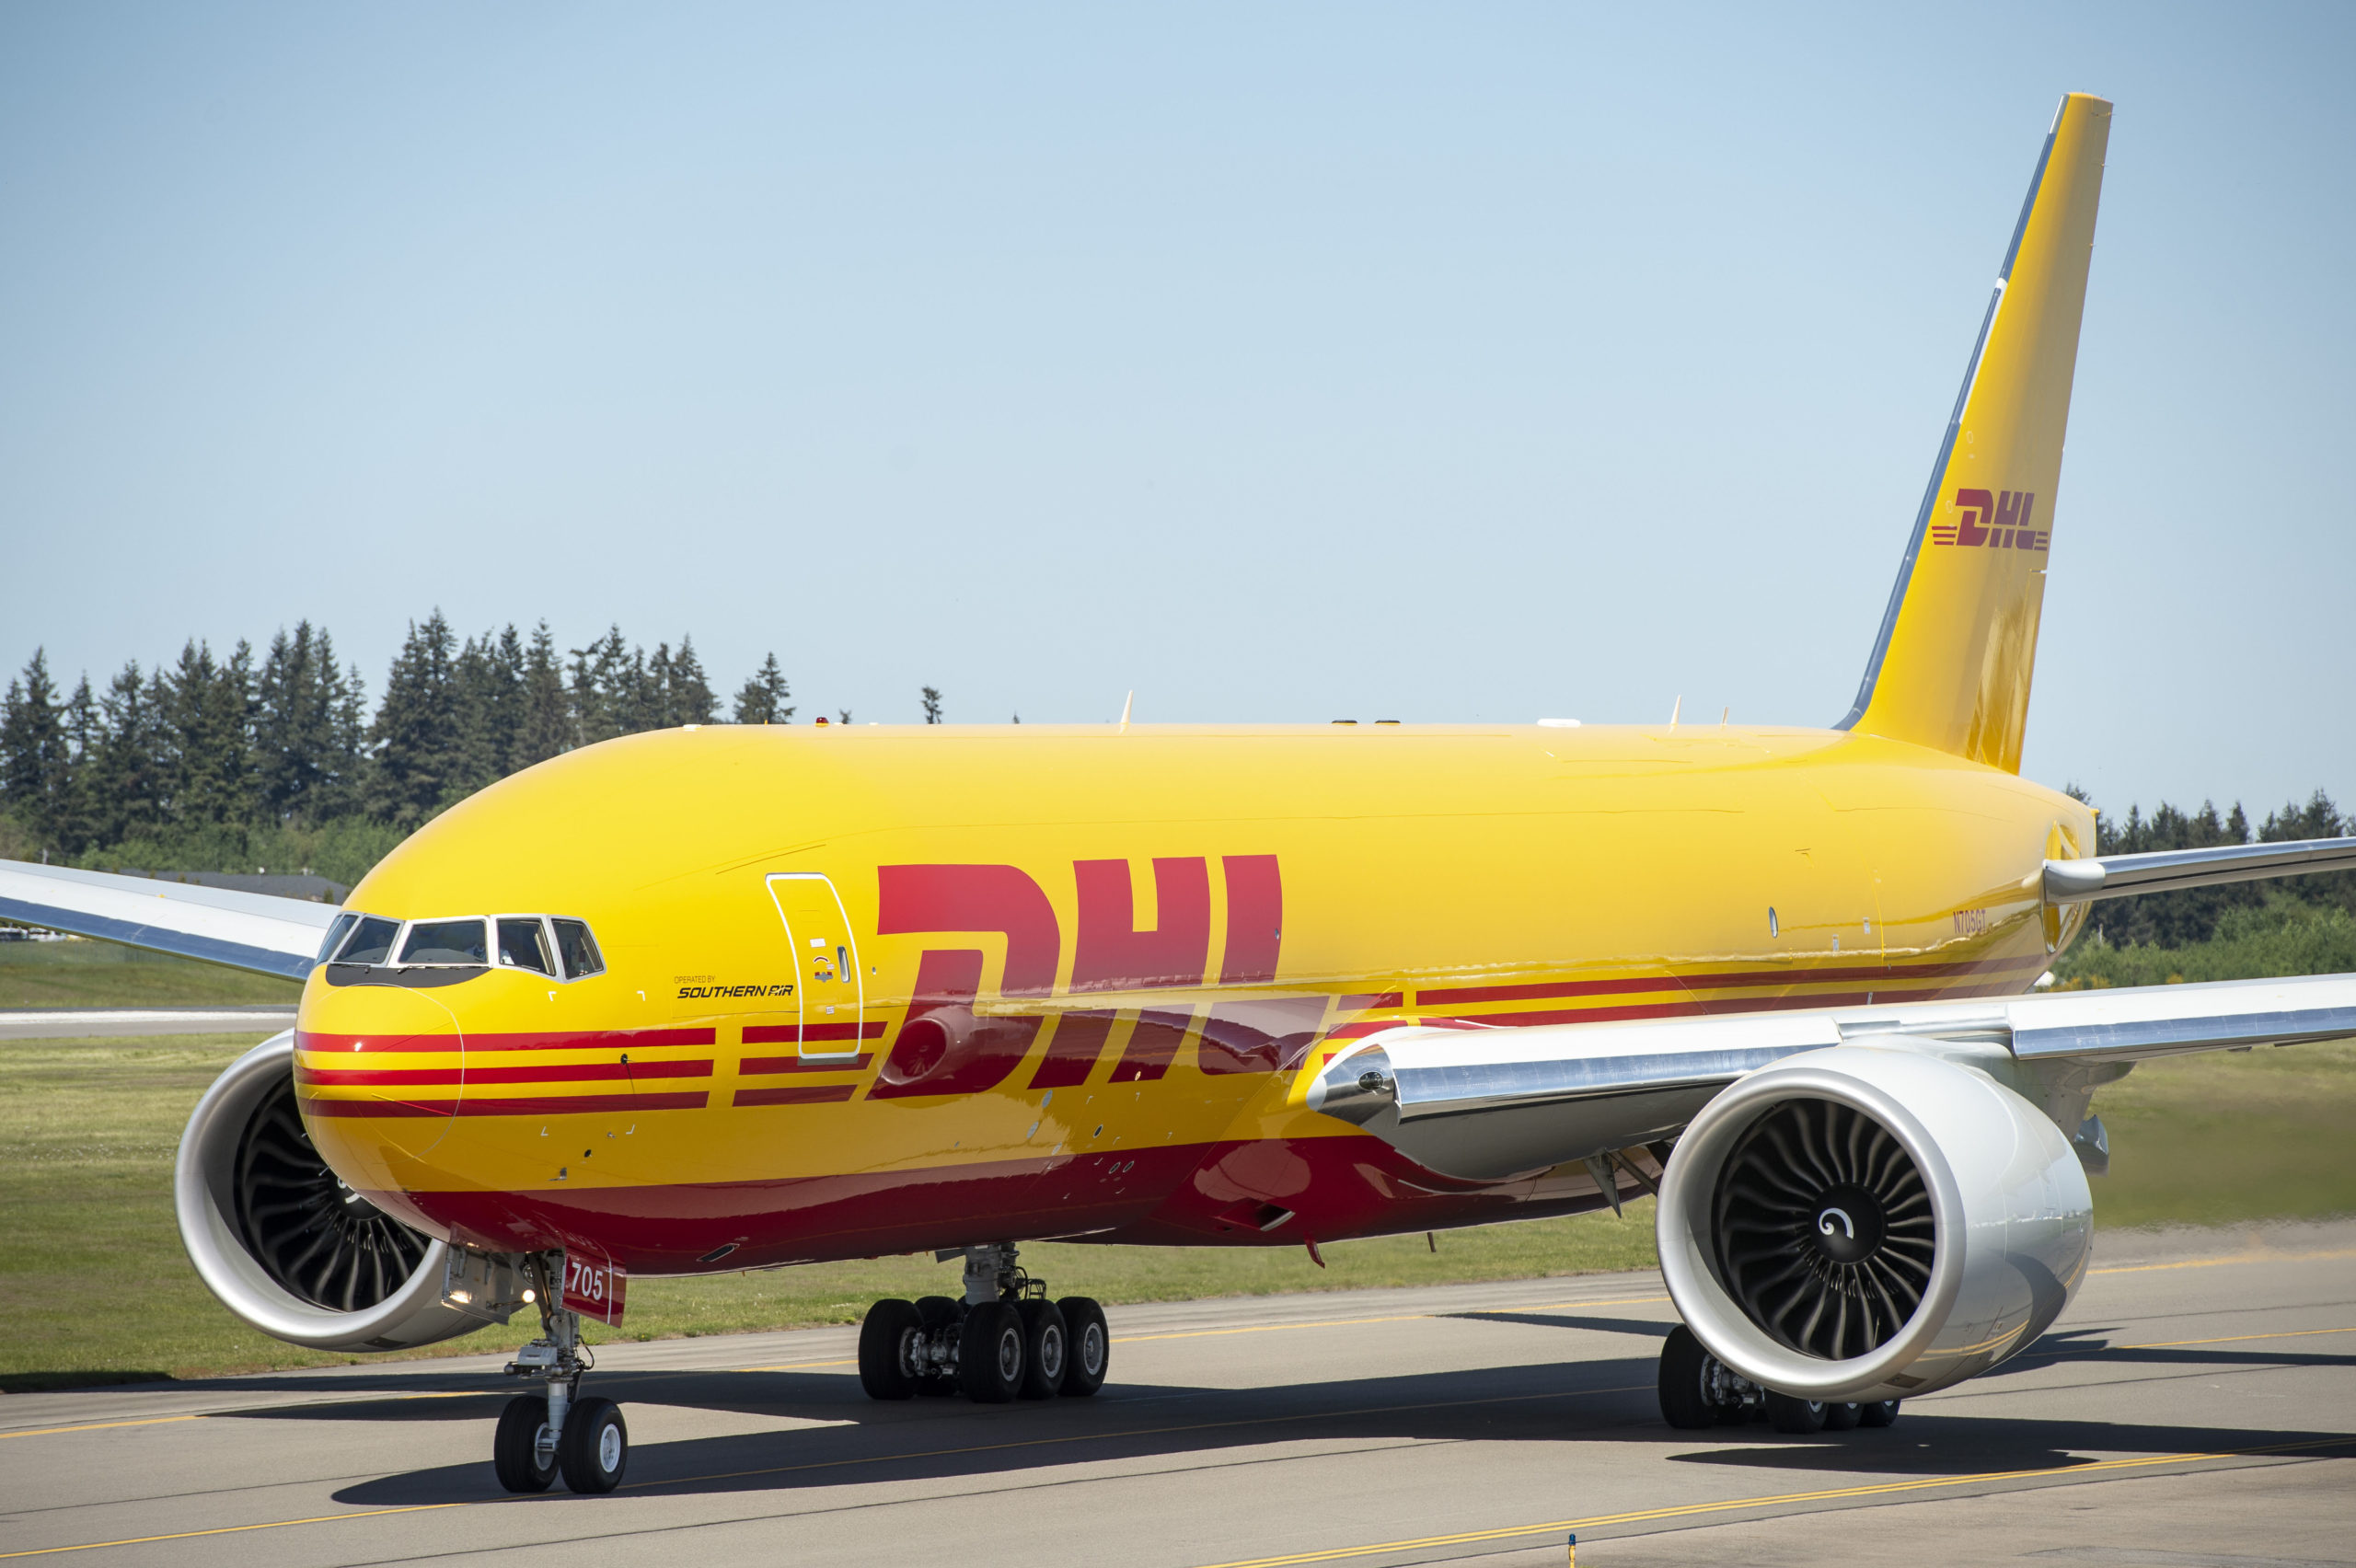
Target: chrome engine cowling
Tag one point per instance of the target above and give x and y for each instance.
(283, 1242)
(1868, 1223)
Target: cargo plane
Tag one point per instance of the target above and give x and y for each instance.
(730, 997)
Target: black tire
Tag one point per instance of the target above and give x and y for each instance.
(1842, 1417)
(1794, 1417)
(938, 1312)
(515, 1446)
(989, 1354)
(1045, 1348)
(1684, 1402)
(596, 1448)
(1087, 1345)
(885, 1337)
(1878, 1413)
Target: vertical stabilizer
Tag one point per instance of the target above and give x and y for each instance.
(1952, 664)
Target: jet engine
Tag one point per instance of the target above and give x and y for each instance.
(1869, 1223)
(283, 1243)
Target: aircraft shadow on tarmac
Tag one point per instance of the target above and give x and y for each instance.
(949, 1439)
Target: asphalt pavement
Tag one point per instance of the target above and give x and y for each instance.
(2196, 1406)
(81, 1023)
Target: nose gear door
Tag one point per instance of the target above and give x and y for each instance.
(829, 985)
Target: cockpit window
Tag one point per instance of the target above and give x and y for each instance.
(372, 942)
(579, 950)
(524, 944)
(444, 941)
(335, 933)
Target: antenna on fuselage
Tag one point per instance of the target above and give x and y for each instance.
(1126, 703)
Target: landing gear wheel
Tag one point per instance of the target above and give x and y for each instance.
(516, 1446)
(1842, 1417)
(1684, 1401)
(886, 1338)
(1797, 1417)
(1044, 1348)
(1878, 1413)
(596, 1447)
(1087, 1345)
(938, 1312)
(989, 1354)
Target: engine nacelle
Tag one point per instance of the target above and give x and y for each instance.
(287, 1246)
(1865, 1223)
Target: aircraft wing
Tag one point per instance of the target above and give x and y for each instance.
(244, 930)
(2166, 870)
(1488, 1103)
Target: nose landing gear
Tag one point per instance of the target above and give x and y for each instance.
(1698, 1390)
(542, 1436)
(1004, 1341)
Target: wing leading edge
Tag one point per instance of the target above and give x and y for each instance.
(244, 930)
(1490, 1103)
(2170, 871)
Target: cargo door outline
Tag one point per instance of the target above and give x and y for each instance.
(829, 985)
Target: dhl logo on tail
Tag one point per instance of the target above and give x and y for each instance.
(2001, 525)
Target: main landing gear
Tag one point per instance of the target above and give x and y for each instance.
(1697, 1390)
(1005, 1341)
(542, 1436)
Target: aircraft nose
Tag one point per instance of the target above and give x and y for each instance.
(379, 1073)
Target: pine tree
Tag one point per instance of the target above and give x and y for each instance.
(546, 727)
(347, 792)
(77, 824)
(487, 695)
(207, 759)
(35, 760)
(931, 705)
(125, 769)
(762, 699)
(297, 759)
(605, 688)
(415, 735)
(688, 698)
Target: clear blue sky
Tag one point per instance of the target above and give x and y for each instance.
(1436, 363)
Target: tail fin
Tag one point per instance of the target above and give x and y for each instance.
(1951, 667)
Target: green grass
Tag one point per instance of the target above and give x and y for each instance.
(94, 1287)
(75, 973)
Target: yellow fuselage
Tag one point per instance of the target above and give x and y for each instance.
(1122, 947)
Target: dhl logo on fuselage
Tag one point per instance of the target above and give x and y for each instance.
(1993, 522)
(941, 1049)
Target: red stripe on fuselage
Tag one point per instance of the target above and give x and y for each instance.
(1897, 974)
(536, 1105)
(759, 1066)
(578, 1040)
(786, 1034)
(455, 1077)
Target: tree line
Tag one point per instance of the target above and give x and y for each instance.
(2177, 919)
(234, 764)
(200, 760)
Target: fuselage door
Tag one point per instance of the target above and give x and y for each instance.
(830, 987)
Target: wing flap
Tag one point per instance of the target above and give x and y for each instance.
(244, 930)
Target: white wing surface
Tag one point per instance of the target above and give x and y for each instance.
(1483, 1103)
(244, 930)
